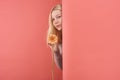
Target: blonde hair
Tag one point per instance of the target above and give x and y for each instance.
(52, 29)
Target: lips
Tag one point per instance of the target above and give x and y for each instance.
(58, 26)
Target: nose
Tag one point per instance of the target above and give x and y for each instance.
(56, 22)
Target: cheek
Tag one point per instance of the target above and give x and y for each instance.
(60, 21)
(53, 22)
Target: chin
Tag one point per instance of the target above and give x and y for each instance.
(59, 29)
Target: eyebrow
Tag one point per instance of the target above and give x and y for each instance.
(58, 14)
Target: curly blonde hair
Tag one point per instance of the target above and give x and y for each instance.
(52, 29)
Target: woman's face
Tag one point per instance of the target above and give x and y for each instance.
(57, 19)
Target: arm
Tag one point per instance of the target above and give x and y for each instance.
(57, 51)
(57, 56)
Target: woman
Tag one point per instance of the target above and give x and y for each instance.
(54, 36)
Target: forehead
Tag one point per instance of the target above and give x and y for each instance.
(56, 12)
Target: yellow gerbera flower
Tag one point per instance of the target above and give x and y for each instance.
(52, 39)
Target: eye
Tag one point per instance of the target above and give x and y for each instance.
(58, 16)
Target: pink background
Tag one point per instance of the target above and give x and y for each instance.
(91, 40)
(24, 54)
